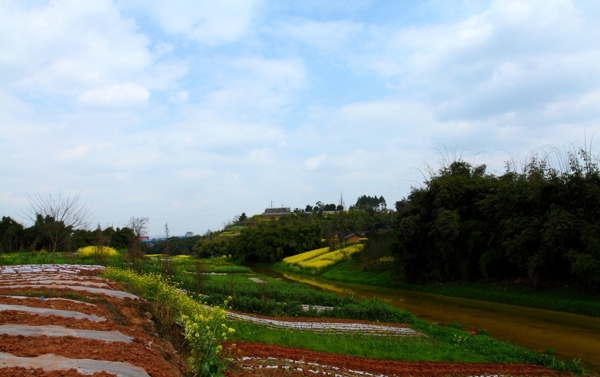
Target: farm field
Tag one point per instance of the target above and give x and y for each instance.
(56, 321)
(300, 329)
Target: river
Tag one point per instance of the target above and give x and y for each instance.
(572, 336)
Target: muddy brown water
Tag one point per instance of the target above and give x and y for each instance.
(572, 336)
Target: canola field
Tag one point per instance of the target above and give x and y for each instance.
(321, 258)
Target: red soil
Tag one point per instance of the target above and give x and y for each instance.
(156, 356)
(159, 358)
(263, 355)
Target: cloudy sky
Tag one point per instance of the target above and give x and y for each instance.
(192, 112)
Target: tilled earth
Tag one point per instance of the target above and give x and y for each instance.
(59, 341)
(45, 351)
(255, 359)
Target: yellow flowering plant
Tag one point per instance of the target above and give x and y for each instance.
(295, 259)
(205, 333)
(327, 259)
(90, 251)
(204, 326)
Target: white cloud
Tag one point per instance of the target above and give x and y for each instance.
(283, 74)
(180, 96)
(78, 152)
(81, 50)
(257, 85)
(314, 162)
(115, 96)
(212, 23)
(515, 56)
(328, 37)
(67, 46)
(286, 102)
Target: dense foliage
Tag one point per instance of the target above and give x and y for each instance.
(367, 202)
(41, 235)
(273, 240)
(173, 246)
(541, 224)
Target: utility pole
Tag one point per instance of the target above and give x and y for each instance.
(342, 204)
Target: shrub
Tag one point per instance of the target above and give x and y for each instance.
(90, 251)
(204, 326)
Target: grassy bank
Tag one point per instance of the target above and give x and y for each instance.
(441, 344)
(564, 299)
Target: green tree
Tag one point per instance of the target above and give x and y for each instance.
(12, 235)
(273, 240)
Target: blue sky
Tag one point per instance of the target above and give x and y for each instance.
(190, 113)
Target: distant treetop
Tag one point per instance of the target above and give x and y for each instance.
(368, 202)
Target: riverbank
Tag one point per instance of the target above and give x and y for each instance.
(562, 299)
(570, 336)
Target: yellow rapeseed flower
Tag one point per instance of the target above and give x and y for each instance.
(89, 251)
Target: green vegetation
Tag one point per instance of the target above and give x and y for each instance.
(282, 298)
(441, 344)
(540, 224)
(43, 257)
(564, 299)
(274, 240)
(43, 235)
(204, 327)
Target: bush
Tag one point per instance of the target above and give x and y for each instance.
(204, 327)
(90, 251)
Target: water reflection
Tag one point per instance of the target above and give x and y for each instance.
(571, 335)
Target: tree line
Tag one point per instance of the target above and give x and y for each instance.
(42, 235)
(541, 224)
(271, 240)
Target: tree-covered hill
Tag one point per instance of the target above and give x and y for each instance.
(540, 224)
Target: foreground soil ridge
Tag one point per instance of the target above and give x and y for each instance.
(98, 330)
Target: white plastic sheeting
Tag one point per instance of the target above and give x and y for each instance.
(52, 362)
(101, 291)
(58, 331)
(9, 283)
(329, 326)
(65, 268)
(47, 311)
(49, 299)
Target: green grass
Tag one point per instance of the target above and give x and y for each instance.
(568, 300)
(236, 227)
(59, 258)
(283, 298)
(441, 344)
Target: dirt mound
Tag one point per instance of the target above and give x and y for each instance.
(77, 325)
(257, 359)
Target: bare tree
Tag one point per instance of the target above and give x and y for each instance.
(57, 217)
(99, 254)
(139, 225)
